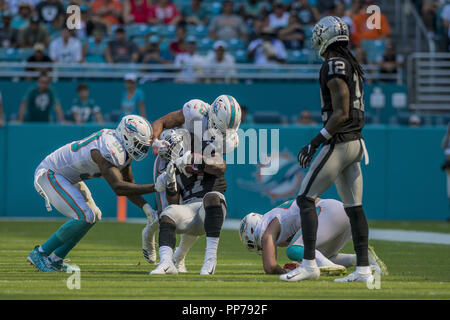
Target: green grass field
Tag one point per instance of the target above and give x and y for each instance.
(112, 267)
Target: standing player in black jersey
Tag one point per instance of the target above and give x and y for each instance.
(338, 162)
(199, 182)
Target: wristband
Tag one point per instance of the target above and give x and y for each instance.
(326, 134)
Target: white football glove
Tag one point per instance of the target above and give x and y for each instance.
(160, 146)
(171, 177)
(182, 162)
(152, 215)
(86, 193)
(161, 182)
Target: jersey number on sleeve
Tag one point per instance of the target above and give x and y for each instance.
(82, 143)
(336, 67)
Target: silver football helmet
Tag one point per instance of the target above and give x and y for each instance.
(174, 147)
(327, 31)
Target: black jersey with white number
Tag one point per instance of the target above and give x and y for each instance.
(338, 67)
(199, 183)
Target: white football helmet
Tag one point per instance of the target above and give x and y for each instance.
(247, 230)
(224, 115)
(136, 135)
(174, 144)
(327, 31)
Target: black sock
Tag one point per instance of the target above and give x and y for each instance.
(213, 220)
(360, 234)
(309, 226)
(167, 235)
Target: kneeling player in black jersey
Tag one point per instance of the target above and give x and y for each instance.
(199, 182)
(338, 162)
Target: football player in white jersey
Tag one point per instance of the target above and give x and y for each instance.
(59, 180)
(219, 121)
(281, 227)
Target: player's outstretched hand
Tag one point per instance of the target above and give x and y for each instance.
(306, 154)
(171, 177)
(161, 182)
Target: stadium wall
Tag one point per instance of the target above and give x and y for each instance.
(402, 182)
(287, 98)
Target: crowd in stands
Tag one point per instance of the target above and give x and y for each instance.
(436, 17)
(198, 36)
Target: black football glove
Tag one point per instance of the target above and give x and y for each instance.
(307, 152)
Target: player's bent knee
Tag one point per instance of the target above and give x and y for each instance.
(212, 199)
(295, 253)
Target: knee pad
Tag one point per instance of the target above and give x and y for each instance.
(212, 199)
(295, 253)
(214, 216)
(167, 235)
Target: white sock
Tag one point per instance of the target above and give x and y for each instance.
(55, 258)
(212, 244)
(344, 259)
(309, 263)
(322, 261)
(186, 243)
(165, 253)
(364, 270)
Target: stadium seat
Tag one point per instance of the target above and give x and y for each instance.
(373, 49)
(241, 56)
(268, 117)
(205, 44)
(197, 31)
(136, 30)
(167, 32)
(235, 44)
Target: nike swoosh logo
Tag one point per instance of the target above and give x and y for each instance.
(290, 276)
(212, 271)
(165, 270)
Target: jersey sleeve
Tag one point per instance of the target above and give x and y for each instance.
(337, 68)
(195, 110)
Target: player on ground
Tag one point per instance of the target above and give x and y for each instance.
(59, 179)
(219, 122)
(280, 227)
(341, 80)
(200, 188)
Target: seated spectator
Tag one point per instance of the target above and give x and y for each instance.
(136, 11)
(121, 50)
(267, 49)
(33, 33)
(292, 35)
(306, 118)
(179, 45)
(258, 25)
(39, 56)
(133, 98)
(151, 52)
(94, 50)
(391, 60)
(164, 12)
(195, 13)
(279, 18)
(219, 62)
(22, 19)
(84, 109)
(8, 34)
(2, 115)
(54, 28)
(414, 121)
(307, 14)
(363, 32)
(66, 48)
(338, 9)
(49, 10)
(445, 16)
(253, 9)
(228, 25)
(189, 62)
(38, 102)
(109, 12)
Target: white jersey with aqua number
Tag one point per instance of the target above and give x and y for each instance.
(195, 110)
(73, 160)
(288, 214)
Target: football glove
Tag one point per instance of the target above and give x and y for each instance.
(152, 215)
(161, 182)
(171, 177)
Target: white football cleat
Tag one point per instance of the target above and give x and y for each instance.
(376, 263)
(148, 242)
(209, 266)
(301, 273)
(357, 277)
(165, 267)
(181, 267)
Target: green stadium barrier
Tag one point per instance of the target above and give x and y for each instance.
(400, 183)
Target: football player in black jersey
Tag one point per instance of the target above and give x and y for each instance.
(199, 182)
(338, 162)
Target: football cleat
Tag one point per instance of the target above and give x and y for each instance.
(332, 271)
(301, 273)
(180, 265)
(40, 260)
(165, 267)
(62, 265)
(209, 266)
(376, 263)
(357, 277)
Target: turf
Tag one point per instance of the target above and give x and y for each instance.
(112, 268)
